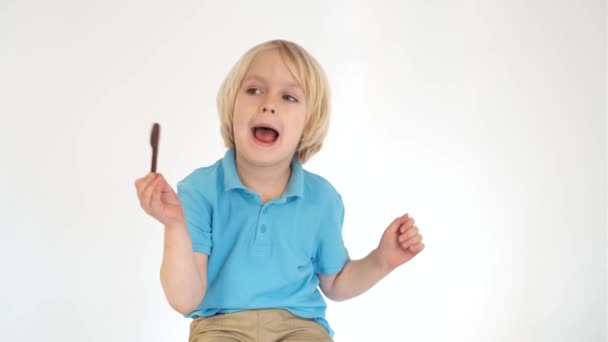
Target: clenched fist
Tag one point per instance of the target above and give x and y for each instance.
(400, 242)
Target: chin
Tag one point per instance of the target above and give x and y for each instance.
(264, 155)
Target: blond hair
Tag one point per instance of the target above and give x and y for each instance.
(310, 76)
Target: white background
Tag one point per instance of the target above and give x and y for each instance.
(485, 120)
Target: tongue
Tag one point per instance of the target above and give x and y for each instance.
(267, 135)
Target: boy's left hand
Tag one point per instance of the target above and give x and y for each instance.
(400, 242)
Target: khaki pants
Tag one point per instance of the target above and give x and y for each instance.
(269, 325)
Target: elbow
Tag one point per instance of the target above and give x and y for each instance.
(333, 293)
(340, 299)
(186, 305)
(182, 308)
(182, 297)
(335, 297)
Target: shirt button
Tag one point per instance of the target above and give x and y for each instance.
(263, 228)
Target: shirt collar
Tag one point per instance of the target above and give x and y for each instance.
(231, 177)
(295, 187)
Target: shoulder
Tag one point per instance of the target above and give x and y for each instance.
(323, 197)
(202, 179)
(320, 189)
(201, 175)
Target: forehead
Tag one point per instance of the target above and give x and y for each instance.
(269, 66)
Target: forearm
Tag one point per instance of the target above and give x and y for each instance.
(358, 276)
(180, 278)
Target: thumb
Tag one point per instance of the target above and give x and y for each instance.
(166, 192)
(394, 226)
(158, 189)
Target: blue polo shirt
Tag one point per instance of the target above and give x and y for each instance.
(263, 255)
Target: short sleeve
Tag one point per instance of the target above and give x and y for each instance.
(198, 217)
(331, 254)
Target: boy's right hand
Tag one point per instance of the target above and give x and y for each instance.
(159, 200)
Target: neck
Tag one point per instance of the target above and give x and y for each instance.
(267, 181)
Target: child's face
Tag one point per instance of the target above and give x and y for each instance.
(269, 112)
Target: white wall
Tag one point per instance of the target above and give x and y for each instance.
(485, 120)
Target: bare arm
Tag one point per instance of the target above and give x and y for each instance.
(183, 272)
(400, 243)
(356, 277)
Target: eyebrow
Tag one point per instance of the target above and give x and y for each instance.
(263, 80)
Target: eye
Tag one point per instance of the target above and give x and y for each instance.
(253, 91)
(290, 98)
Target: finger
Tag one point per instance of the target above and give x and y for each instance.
(155, 198)
(417, 248)
(146, 183)
(146, 195)
(407, 225)
(408, 234)
(169, 195)
(141, 183)
(144, 179)
(155, 191)
(394, 226)
(412, 241)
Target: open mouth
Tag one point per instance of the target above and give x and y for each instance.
(265, 135)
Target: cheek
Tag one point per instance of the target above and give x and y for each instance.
(240, 128)
(296, 128)
(240, 104)
(240, 115)
(302, 121)
(238, 108)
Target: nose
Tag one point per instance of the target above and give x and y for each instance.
(268, 109)
(268, 103)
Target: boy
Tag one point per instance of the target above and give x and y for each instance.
(252, 240)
